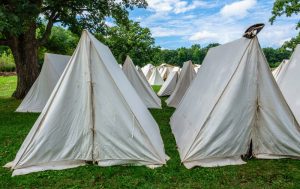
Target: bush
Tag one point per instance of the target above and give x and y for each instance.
(7, 63)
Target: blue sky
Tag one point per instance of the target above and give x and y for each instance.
(177, 23)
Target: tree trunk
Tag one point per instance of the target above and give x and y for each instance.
(25, 52)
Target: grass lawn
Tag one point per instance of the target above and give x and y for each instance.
(255, 174)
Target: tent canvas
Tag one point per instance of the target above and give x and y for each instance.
(141, 86)
(155, 78)
(280, 69)
(288, 81)
(39, 93)
(93, 114)
(147, 70)
(164, 70)
(187, 75)
(143, 76)
(216, 122)
(169, 85)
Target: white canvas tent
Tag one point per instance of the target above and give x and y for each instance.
(93, 114)
(288, 80)
(147, 70)
(196, 67)
(280, 69)
(169, 85)
(216, 122)
(186, 77)
(39, 93)
(141, 86)
(155, 78)
(164, 70)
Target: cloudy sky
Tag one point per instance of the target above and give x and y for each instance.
(177, 23)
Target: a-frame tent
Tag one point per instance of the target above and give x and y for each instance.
(186, 77)
(217, 121)
(164, 70)
(288, 81)
(155, 78)
(169, 85)
(39, 93)
(147, 70)
(141, 86)
(94, 114)
(280, 69)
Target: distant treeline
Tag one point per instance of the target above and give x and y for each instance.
(133, 40)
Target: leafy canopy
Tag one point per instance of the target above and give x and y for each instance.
(285, 7)
(16, 16)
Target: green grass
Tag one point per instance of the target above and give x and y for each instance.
(255, 174)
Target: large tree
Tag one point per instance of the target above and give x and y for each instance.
(20, 19)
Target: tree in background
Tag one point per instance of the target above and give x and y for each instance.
(276, 56)
(61, 41)
(287, 8)
(129, 38)
(180, 55)
(20, 19)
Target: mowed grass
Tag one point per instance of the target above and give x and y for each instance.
(255, 174)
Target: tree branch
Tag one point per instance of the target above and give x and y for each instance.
(46, 35)
(4, 42)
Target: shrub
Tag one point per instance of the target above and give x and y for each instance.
(7, 63)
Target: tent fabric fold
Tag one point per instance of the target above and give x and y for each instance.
(93, 114)
(141, 86)
(187, 75)
(39, 93)
(216, 121)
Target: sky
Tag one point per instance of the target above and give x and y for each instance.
(182, 23)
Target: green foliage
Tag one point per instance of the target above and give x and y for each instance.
(180, 55)
(276, 56)
(16, 16)
(282, 173)
(129, 39)
(292, 43)
(285, 7)
(61, 41)
(7, 63)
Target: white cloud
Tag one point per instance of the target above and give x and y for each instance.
(203, 35)
(238, 9)
(174, 6)
(215, 24)
(167, 32)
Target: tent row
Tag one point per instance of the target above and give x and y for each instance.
(232, 108)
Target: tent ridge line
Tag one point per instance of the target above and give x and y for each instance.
(219, 98)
